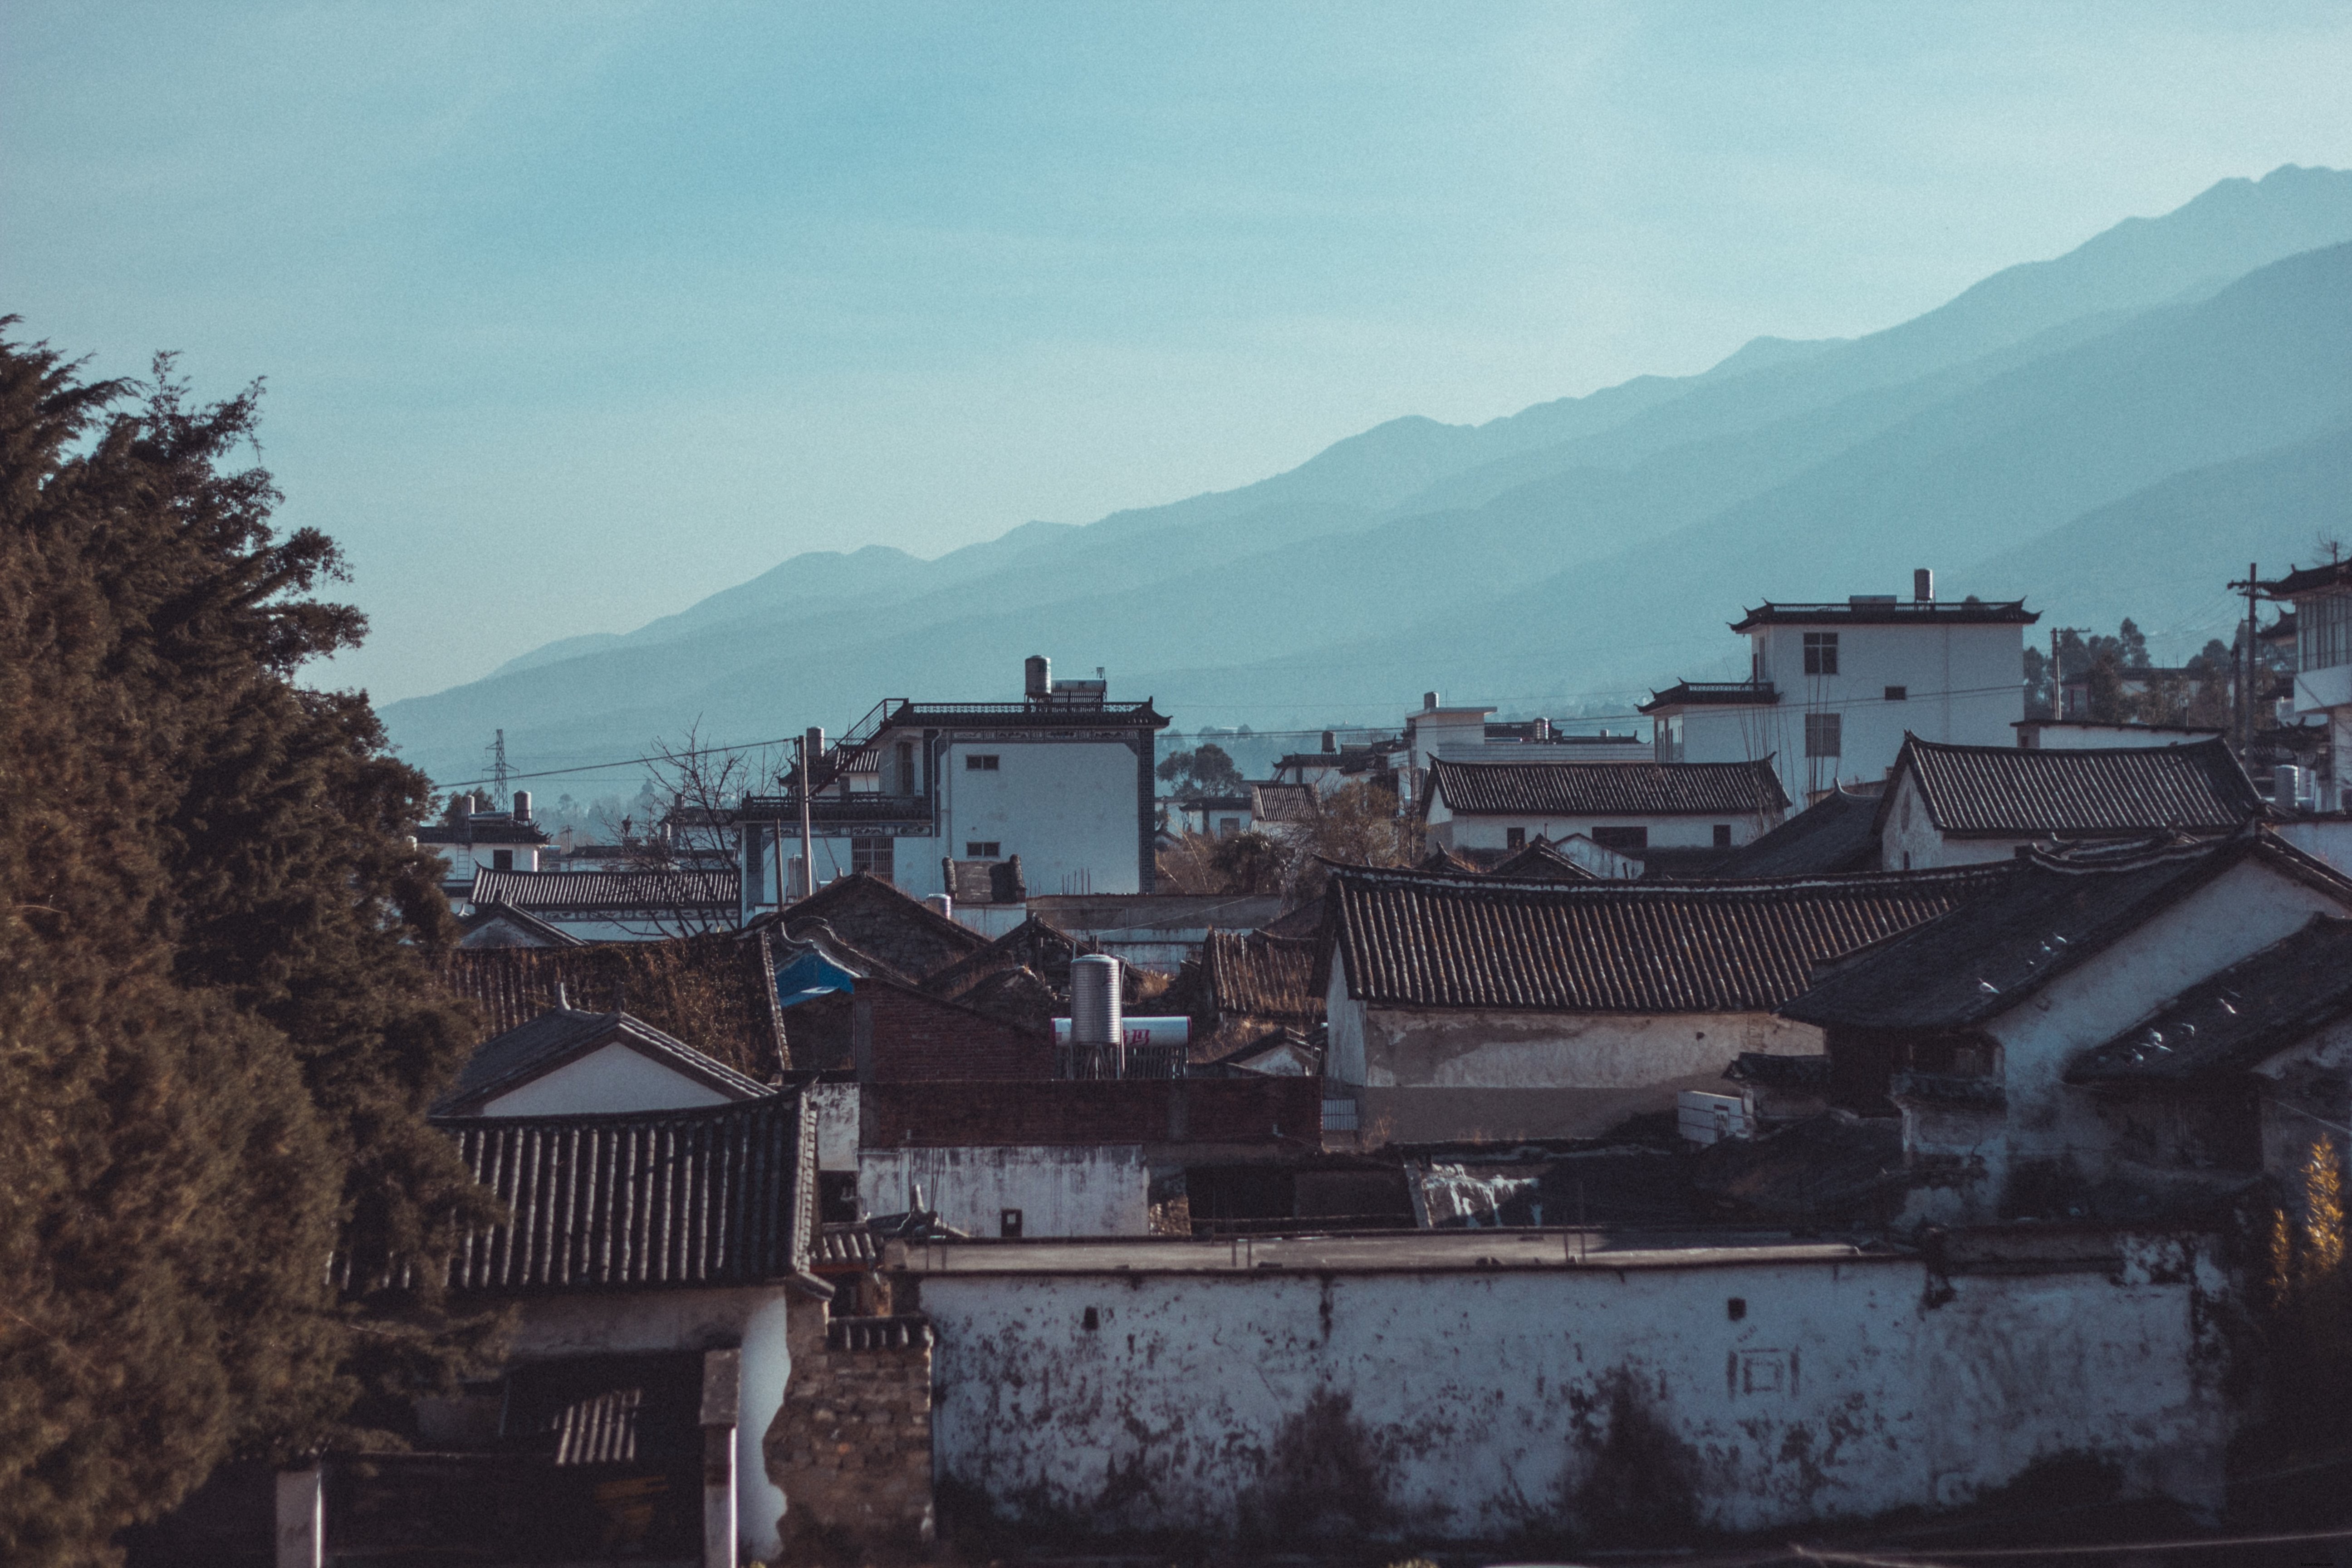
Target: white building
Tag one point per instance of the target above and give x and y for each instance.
(2322, 597)
(1832, 688)
(1634, 810)
(2104, 1032)
(1474, 1008)
(474, 840)
(1956, 805)
(1062, 778)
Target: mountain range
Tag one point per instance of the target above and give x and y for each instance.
(2116, 431)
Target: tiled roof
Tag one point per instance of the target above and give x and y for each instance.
(846, 1246)
(986, 881)
(1887, 611)
(1838, 832)
(519, 922)
(1412, 939)
(509, 1060)
(1283, 803)
(1261, 976)
(716, 991)
(1712, 694)
(500, 829)
(616, 891)
(1606, 789)
(1305, 921)
(877, 918)
(1035, 945)
(1542, 861)
(2041, 916)
(2010, 792)
(1052, 714)
(724, 1196)
(2311, 580)
(2230, 1022)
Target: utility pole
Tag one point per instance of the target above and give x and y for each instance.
(497, 749)
(811, 747)
(2246, 664)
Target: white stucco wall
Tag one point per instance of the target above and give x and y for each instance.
(610, 1079)
(2327, 839)
(1966, 686)
(1911, 841)
(1449, 831)
(1475, 1399)
(1090, 1189)
(1063, 806)
(1430, 1074)
(551, 1327)
(2240, 913)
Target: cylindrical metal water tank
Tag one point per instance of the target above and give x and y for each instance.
(1095, 1008)
(1037, 675)
(522, 806)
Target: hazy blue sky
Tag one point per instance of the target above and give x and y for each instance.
(573, 313)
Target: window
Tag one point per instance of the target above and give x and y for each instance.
(873, 855)
(501, 859)
(1820, 653)
(2323, 631)
(1008, 1224)
(906, 767)
(1723, 835)
(981, 762)
(1823, 732)
(1624, 840)
(1228, 826)
(1898, 694)
(1515, 839)
(982, 850)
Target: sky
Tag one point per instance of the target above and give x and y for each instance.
(572, 314)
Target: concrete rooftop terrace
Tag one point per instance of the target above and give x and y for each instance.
(1385, 1252)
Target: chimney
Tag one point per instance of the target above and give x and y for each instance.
(522, 806)
(1330, 741)
(1429, 702)
(1923, 585)
(1037, 676)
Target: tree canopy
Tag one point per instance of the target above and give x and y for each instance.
(218, 1027)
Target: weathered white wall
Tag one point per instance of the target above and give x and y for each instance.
(1090, 1189)
(2233, 916)
(610, 1079)
(1476, 1399)
(1436, 1074)
(836, 1105)
(551, 1327)
(1911, 842)
(2327, 839)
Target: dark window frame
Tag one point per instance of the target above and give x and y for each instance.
(983, 849)
(1820, 653)
(983, 761)
(1825, 734)
(1898, 694)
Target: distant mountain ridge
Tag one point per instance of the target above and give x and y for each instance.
(1578, 547)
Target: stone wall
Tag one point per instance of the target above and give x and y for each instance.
(851, 1447)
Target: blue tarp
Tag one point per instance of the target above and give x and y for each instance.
(811, 974)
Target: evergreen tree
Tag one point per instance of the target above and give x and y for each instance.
(219, 1030)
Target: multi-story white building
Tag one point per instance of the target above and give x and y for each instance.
(1062, 778)
(2322, 597)
(1832, 688)
(475, 840)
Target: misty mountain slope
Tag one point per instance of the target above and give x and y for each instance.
(2266, 361)
(1238, 585)
(1574, 546)
(2183, 538)
(2139, 264)
(1413, 464)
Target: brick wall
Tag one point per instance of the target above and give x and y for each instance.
(890, 1033)
(851, 1446)
(1063, 1111)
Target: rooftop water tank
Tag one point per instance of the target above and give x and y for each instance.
(1095, 1000)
